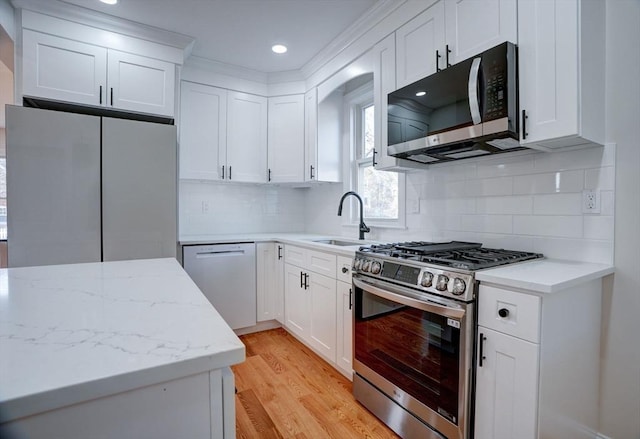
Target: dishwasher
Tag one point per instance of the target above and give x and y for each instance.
(226, 274)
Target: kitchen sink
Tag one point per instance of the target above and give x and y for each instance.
(338, 242)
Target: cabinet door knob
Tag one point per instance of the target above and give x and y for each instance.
(345, 270)
(503, 312)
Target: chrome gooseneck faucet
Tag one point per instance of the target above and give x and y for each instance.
(363, 227)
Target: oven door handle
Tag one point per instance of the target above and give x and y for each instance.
(387, 293)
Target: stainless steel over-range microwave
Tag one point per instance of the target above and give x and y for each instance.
(466, 110)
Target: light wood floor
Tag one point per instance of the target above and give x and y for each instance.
(284, 390)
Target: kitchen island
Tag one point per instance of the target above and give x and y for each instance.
(113, 350)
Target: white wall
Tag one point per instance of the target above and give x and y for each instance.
(527, 202)
(620, 383)
(239, 208)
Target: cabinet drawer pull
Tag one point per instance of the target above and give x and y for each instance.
(438, 56)
(503, 312)
(481, 355)
(100, 95)
(448, 51)
(112, 96)
(345, 270)
(306, 281)
(229, 172)
(269, 175)
(279, 252)
(350, 298)
(223, 172)
(301, 281)
(311, 176)
(524, 124)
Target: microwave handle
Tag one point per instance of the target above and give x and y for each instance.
(474, 101)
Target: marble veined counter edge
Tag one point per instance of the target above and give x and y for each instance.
(72, 333)
(544, 275)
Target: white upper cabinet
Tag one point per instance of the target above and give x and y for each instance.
(286, 139)
(63, 70)
(246, 138)
(71, 71)
(141, 84)
(452, 31)
(473, 26)
(419, 45)
(311, 135)
(223, 134)
(561, 68)
(203, 131)
(384, 82)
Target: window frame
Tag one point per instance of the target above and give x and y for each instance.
(353, 133)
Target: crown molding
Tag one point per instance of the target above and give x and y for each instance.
(78, 14)
(356, 30)
(213, 66)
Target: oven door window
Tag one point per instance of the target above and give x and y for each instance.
(417, 351)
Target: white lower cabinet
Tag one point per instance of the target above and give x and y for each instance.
(537, 369)
(296, 303)
(270, 281)
(318, 304)
(507, 387)
(344, 313)
(321, 292)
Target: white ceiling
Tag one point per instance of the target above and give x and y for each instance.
(241, 32)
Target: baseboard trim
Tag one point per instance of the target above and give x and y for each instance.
(261, 326)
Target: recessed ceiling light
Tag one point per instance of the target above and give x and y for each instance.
(109, 2)
(279, 48)
(421, 93)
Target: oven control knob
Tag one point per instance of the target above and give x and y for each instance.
(366, 265)
(457, 286)
(427, 279)
(441, 283)
(376, 267)
(357, 264)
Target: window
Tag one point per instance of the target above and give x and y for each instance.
(382, 192)
(378, 189)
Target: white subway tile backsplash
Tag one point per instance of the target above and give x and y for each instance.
(506, 165)
(600, 178)
(550, 182)
(584, 158)
(596, 251)
(487, 223)
(598, 227)
(529, 201)
(549, 225)
(557, 204)
(514, 205)
(489, 187)
(607, 203)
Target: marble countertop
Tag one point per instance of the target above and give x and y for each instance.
(540, 276)
(544, 275)
(70, 333)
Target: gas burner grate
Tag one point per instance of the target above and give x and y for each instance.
(476, 259)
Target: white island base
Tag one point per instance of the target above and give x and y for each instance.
(128, 349)
(196, 406)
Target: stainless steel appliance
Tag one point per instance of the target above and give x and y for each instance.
(414, 333)
(85, 188)
(226, 274)
(469, 109)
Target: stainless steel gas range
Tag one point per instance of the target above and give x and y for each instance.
(414, 333)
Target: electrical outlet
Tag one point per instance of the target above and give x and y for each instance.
(590, 201)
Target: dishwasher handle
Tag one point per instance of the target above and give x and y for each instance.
(218, 253)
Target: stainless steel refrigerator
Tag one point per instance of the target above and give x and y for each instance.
(84, 188)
